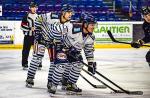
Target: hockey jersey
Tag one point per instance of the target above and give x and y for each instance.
(50, 27)
(79, 40)
(27, 23)
(69, 33)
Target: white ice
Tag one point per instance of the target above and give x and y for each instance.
(126, 67)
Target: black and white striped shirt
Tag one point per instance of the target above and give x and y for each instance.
(68, 33)
(27, 23)
(50, 27)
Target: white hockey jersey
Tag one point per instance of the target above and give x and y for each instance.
(70, 34)
(49, 26)
(80, 41)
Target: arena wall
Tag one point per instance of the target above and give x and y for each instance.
(11, 36)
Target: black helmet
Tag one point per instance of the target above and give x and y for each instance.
(87, 18)
(33, 4)
(67, 8)
(145, 10)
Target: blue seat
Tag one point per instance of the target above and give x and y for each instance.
(17, 7)
(42, 7)
(2, 18)
(5, 14)
(10, 18)
(57, 8)
(136, 16)
(89, 8)
(18, 18)
(81, 8)
(97, 8)
(8, 6)
(111, 14)
(50, 7)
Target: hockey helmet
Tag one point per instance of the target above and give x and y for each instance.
(67, 8)
(33, 4)
(145, 10)
(87, 18)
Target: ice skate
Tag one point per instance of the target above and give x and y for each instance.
(64, 84)
(29, 82)
(51, 88)
(25, 67)
(73, 89)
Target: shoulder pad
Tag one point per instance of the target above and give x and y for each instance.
(76, 28)
(54, 16)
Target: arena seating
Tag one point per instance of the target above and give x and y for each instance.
(101, 9)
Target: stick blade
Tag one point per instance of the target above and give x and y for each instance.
(130, 92)
(135, 93)
(100, 86)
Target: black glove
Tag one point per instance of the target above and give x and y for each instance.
(92, 67)
(74, 55)
(137, 44)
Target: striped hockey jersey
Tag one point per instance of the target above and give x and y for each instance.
(49, 26)
(79, 41)
(69, 33)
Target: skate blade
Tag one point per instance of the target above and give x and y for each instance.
(79, 93)
(39, 68)
(63, 88)
(51, 95)
(51, 92)
(25, 68)
(73, 93)
(29, 85)
(70, 93)
(101, 86)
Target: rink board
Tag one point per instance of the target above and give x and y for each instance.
(98, 46)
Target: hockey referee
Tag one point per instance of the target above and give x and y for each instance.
(27, 26)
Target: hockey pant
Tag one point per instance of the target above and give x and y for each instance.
(38, 53)
(60, 61)
(73, 69)
(51, 53)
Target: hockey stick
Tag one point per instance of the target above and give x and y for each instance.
(116, 91)
(114, 40)
(93, 85)
(99, 80)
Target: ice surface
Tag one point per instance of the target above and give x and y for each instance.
(126, 67)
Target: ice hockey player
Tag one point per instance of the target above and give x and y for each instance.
(49, 30)
(146, 29)
(27, 25)
(83, 38)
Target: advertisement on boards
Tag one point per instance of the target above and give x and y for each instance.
(7, 32)
(121, 31)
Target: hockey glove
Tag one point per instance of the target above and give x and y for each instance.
(148, 57)
(137, 44)
(92, 67)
